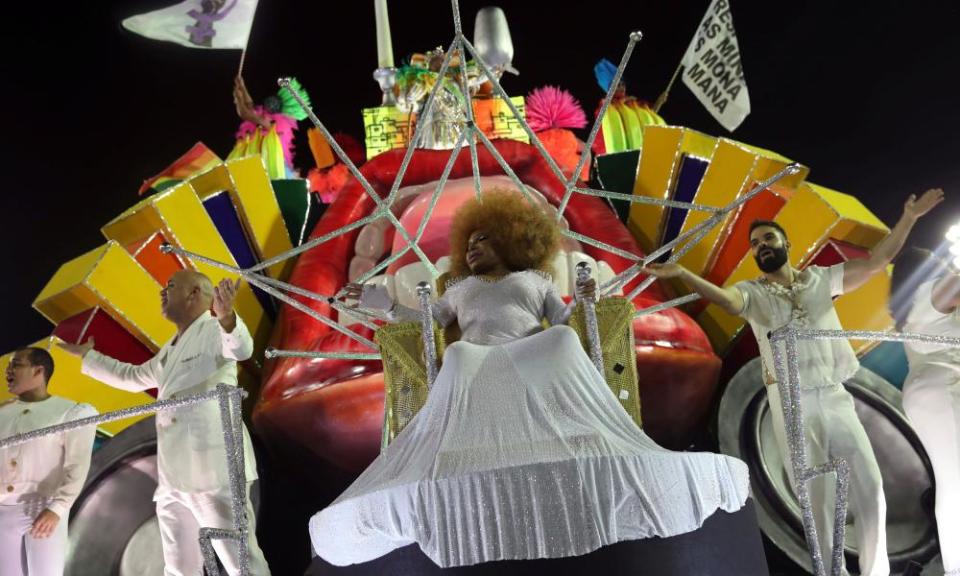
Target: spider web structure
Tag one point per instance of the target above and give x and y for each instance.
(470, 136)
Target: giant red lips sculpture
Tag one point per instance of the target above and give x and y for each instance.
(333, 409)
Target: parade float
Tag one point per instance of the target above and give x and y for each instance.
(317, 396)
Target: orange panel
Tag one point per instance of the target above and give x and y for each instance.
(736, 244)
(159, 265)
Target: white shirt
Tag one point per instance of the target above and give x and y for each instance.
(809, 304)
(191, 454)
(497, 310)
(54, 467)
(488, 310)
(925, 319)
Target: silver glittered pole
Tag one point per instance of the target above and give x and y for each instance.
(788, 383)
(590, 317)
(426, 326)
(230, 419)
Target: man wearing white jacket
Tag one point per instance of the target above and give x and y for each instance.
(39, 480)
(194, 488)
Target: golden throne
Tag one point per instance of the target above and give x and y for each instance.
(405, 374)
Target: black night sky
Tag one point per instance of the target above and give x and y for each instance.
(863, 93)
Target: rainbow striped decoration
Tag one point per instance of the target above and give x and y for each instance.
(198, 159)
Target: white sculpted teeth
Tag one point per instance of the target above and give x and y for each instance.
(605, 274)
(561, 273)
(405, 283)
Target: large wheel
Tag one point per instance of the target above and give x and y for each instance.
(113, 525)
(745, 430)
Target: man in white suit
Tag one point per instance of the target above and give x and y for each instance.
(194, 488)
(39, 480)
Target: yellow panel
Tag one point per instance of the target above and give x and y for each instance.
(68, 382)
(132, 296)
(108, 277)
(185, 223)
(60, 298)
(812, 216)
(259, 211)
(866, 309)
(657, 173)
(726, 178)
(217, 179)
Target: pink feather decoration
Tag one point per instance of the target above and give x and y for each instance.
(552, 107)
(286, 126)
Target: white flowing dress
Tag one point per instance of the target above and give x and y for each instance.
(521, 451)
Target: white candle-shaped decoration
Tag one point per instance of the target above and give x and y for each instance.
(384, 44)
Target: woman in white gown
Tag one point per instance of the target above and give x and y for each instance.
(931, 394)
(521, 450)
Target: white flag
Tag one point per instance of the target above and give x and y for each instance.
(712, 68)
(198, 23)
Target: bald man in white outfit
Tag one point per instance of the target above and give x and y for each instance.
(194, 487)
(40, 479)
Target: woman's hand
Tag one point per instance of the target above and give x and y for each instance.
(587, 290)
(368, 296)
(353, 291)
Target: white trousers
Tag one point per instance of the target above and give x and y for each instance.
(182, 514)
(23, 555)
(834, 431)
(931, 399)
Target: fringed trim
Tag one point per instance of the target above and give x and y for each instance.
(451, 282)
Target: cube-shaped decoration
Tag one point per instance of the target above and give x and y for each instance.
(248, 187)
(862, 309)
(111, 279)
(657, 176)
(386, 128)
(494, 117)
(296, 204)
(110, 336)
(68, 382)
(180, 217)
(811, 217)
(617, 172)
(158, 264)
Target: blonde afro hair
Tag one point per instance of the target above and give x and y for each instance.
(523, 234)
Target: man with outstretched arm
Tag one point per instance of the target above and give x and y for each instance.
(783, 295)
(194, 486)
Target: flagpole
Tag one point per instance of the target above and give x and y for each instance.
(243, 58)
(243, 55)
(661, 100)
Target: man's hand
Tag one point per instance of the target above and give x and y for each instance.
(224, 294)
(663, 271)
(79, 350)
(45, 524)
(914, 208)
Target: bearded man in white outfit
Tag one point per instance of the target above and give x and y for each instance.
(784, 295)
(40, 479)
(194, 486)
